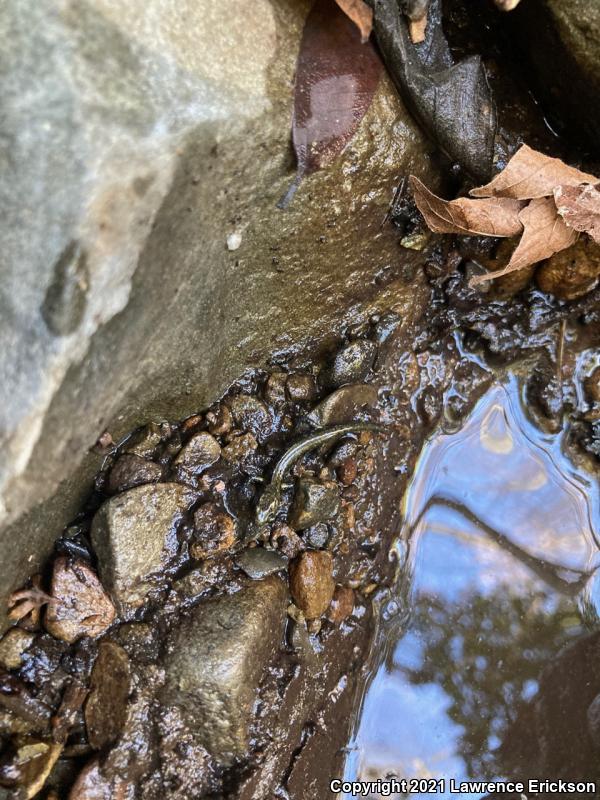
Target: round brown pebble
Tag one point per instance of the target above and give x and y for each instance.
(347, 471)
(592, 386)
(342, 605)
(275, 388)
(214, 531)
(130, 470)
(311, 582)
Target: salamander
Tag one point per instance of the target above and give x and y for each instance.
(270, 500)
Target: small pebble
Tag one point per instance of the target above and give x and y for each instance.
(301, 387)
(343, 451)
(234, 240)
(351, 364)
(220, 421)
(342, 605)
(81, 607)
(199, 453)
(311, 582)
(347, 471)
(130, 470)
(313, 502)
(571, 273)
(240, 448)
(287, 541)
(12, 646)
(251, 415)
(144, 442)
(317, 536)
(214, 531)
(257, 562)
(344, 405)
(275, 388)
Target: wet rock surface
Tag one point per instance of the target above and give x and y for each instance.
(134, 535)
(215, 661)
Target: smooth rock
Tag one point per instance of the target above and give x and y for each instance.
(257, 562)
(342, 605)
(130, 470)
(313, 503)
(199, 453)
(311, 582)
(571, 273)
(134, 536)
(145, 442)
(81, 607)
(344, 405)
(106, 706)
(215, 659)
(12, 646)
(240, 448)
(352, 364)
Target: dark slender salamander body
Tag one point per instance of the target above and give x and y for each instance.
(270, 499)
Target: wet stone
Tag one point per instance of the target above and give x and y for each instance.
(342, 452)
(29, 766)
(342, 605)
(105, 709)
(240, 448)
(592, 386)
(386, 325)
(352, 364)
(214, 531)
(287, 541)
(275, 388)
(313, 503)
(12, 646)
(81, 607)
(571, 273)
(301, 387)
(199, 453)
(311, 582)
(251, 415)
(257, 562)
(317, 536)
(347, 471)
(215, 659)
(135, 535)
(145, 442)
(220, 421)
(130, 470)
(344, 405)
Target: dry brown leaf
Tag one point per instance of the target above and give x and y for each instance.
(579, 206)
(544, 233)
(530, 174)
(493, 216)
(361, 15)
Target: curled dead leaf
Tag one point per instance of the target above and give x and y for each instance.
(361, 15)
(530, 174)
(579, 206)
(493, 216)
(544, 233)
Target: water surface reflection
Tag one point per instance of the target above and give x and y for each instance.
(500, 558)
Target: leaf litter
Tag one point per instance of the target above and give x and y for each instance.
(545, 200)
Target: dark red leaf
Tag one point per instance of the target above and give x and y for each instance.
(336, 78)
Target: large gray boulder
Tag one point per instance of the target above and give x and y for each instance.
(135, 140)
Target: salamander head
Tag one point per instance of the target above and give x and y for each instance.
(267, 506)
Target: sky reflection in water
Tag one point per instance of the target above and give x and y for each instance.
(500, 547)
